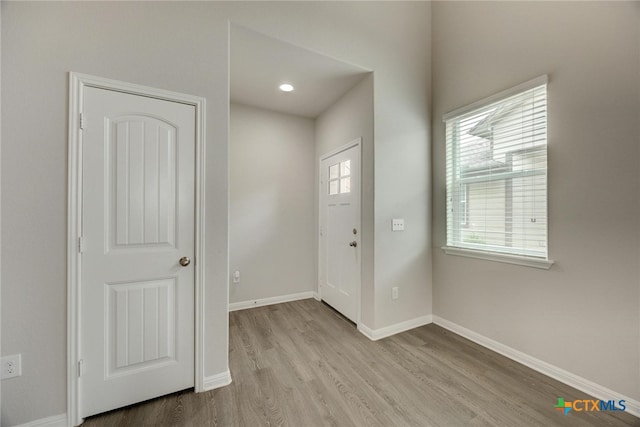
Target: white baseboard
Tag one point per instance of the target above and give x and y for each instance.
(216, 381)
(54, 421)
(566, 377)
(210, 383)
(387, 331)
(242, 305)
(316, 296)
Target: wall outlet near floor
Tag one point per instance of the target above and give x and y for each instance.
(11, 366)
(394, 292)
(236, 276)
(397, 224)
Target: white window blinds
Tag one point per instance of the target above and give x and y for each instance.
(497, 173)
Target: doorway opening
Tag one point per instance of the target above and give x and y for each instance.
(277, 140)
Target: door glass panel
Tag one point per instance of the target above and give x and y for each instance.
(345, 168)
(345, 185)
(333, 187)
(339, 178)
(333, 171)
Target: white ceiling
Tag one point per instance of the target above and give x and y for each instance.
(259, 64)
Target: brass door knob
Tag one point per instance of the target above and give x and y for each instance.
(353, 244)
(184, 261)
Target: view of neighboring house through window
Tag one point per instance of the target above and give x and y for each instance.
(497, 173)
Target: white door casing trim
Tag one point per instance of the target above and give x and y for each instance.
(77, 84)
(355, 143)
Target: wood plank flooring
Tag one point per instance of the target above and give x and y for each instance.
(301, 364)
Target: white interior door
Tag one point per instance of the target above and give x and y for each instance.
(137, 300)
(340, 231)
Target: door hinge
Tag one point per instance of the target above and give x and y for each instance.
(81, 244)
(80, 367)
(82, 121)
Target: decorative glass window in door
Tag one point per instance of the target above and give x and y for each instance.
(340, 178)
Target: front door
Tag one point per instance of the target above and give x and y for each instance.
(340, 231)
(137, 284)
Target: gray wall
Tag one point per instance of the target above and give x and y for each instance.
(583, 314)
(183, 46)
(1, 353)
(271, 203)
(170, 46)
(349, 118)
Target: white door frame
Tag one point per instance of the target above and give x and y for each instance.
(77, 84)
(355, 143)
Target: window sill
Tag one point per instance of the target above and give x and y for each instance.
(544, 264)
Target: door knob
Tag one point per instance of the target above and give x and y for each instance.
(353, 244)
(184, 261)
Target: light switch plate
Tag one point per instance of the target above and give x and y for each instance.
(397, 224)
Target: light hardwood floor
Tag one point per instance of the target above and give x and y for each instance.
(301, 364)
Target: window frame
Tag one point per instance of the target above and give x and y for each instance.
(482, 250)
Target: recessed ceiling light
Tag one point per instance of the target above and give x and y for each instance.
(286, 87)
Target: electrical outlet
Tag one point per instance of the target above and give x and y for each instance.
(397, 224)
(394, 292)
(236, 276)
(11, 366)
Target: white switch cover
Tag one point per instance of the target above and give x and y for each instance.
(397, 224)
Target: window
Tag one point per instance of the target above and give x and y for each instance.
(464, 211)
(340, 178)
(497, 174)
